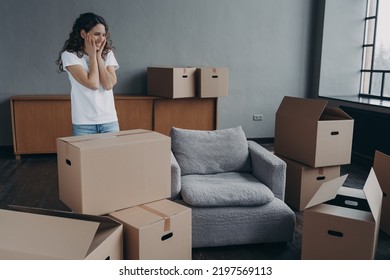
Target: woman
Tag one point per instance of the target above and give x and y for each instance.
(88, 59)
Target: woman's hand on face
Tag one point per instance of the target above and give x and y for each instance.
(102, 45)
(90, 45)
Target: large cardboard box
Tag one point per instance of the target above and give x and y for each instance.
(341, 222)
(160, 230)
(102, 173)
(171, 82)
(303, 181)
(308, 131)
(382, 169)
(28, 233)
(212, 82)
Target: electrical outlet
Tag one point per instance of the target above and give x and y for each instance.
(258, 117)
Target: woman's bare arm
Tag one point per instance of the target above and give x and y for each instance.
(88, 79)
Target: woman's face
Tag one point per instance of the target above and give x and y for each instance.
(98, 33)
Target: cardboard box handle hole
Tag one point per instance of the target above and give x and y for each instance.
(166, 236)
(185, 76)
(335, 233)
(334, 133)
(214, 76)
(68, 162)
(320, 178)
(351, 203)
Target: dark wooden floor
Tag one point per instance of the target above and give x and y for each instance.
(32, 181)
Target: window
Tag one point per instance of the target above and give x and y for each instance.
(375, 73)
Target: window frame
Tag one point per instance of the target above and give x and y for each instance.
(368, 55)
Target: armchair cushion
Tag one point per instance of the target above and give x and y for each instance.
(225, 189)
(210, 152)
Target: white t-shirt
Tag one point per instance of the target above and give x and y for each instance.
(90, 106)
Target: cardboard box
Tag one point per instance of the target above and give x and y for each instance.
(102, 173)
(212, 82)
(156, 231)
(303, 181)
(171, 82)
(382, 169)
(28, 233)
(309, 132)
(342, 226)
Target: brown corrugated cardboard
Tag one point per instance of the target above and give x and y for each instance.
(309, 132)
(341, 222)
(28, 233)
(303, 181)
(171, 82)
(102, 173)
(382, 168)
(156, 231)
(212, 82)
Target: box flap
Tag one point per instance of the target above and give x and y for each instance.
(374, 194)
(46, 236)
(150, 213)
(135, 216)
(381, 168)
(334, 114)
(302, 107)
(66, 214)
(327, 191)
(168, 207)
(89, 137)
(139, 138)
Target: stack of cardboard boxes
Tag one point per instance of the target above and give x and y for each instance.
(175, 82)
(127, 176)
(117, 186)
(314, 140)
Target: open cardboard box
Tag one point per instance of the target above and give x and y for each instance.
(303, 181)
(33, 233)
(308, 131)
(160, 230)
(382, 169)
(341, 222)
(102, 173)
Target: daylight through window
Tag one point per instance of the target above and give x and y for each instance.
(375, 77)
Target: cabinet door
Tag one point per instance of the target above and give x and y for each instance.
(38, 123)
(134, 113)
(189, 113)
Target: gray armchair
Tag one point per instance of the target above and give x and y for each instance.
(234, 187)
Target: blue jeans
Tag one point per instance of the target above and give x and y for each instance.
(81, 129)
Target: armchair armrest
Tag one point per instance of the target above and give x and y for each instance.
(268, 168)
(175, 178)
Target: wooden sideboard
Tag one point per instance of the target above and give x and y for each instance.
(38, 120)
(185, 113)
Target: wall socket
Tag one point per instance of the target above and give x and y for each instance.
(258, 117)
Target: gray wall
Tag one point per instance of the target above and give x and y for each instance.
(264, 43)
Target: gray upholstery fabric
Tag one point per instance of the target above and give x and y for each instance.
(224, 189)
(209, 152)
(175, 178)
(221, 226)
(268, 168)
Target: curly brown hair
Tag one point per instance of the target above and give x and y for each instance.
(75, 43)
